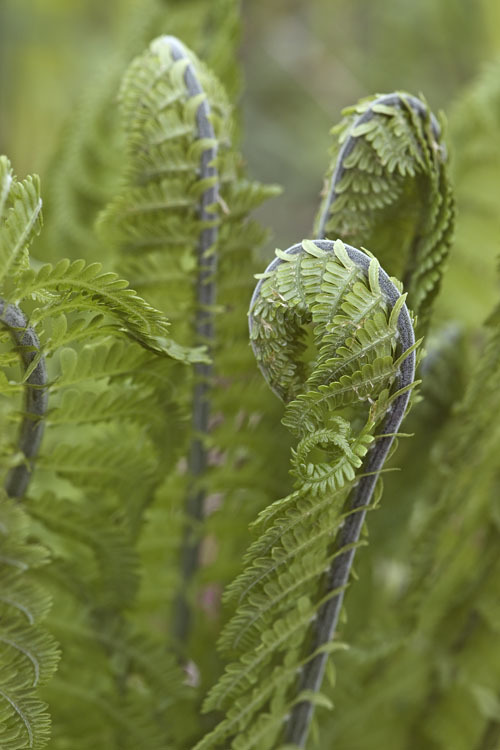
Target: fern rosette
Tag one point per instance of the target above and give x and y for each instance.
(346, 389)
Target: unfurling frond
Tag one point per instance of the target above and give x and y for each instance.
(345, 403)
(179, 221)
(388, 190)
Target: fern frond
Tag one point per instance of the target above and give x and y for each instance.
(389, 191)
(20, 221)
(169, 225)
(28, 653)
(73, 287)
(164, 104)
(35, 396)
(292, 587)
(20, 218)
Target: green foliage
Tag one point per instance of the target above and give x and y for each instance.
(281, 590)
(163, 242)
(389, 191)
(100, 344)
(142, 451)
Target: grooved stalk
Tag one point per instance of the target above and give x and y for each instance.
(203, 334)
(35, 397)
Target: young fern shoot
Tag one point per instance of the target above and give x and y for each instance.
(29, 653)
(388, 190)
(358, 503)
(344, 408)
(185, 202)
(203, 327)
(166, 224)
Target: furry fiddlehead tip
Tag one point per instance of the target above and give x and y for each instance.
(35, 399)
(345, 409)
(388, 190)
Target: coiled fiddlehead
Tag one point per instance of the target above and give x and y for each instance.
(388, 190)
(344, 409)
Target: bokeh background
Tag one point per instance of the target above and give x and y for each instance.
(302, 61)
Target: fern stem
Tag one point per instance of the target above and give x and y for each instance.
(35, 396)
(389, 100)
(203, 334)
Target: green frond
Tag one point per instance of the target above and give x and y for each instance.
(295, 571)
(29, 655)
(388, 190)
(168, 224)
(86, 170)
(73, 287)
(20, 219)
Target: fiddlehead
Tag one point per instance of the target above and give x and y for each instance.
(170, 209)
(388, 190)
(297, 571)
(169, 227)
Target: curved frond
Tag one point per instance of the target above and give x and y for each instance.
(388, 190)
(291, 590)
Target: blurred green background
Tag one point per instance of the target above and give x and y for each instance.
(303, 61)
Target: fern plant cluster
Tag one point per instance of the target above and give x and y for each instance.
(163, 412)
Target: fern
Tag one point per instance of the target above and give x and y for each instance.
(75, 314)
(135, 453)
(29, 655)
(390, 154)
(164, 107)
(170, 225)
(389, 191)
(317, 527)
